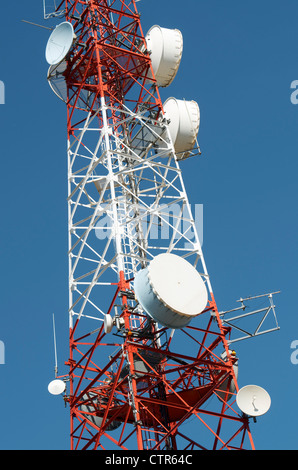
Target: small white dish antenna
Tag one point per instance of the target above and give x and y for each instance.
(253, 400)
(56, 387)
(108, 323)
(59, 43)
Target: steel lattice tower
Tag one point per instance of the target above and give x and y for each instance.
(141, 385)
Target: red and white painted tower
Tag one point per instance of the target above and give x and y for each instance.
(148, 348)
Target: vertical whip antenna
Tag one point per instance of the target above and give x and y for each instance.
(55, 347)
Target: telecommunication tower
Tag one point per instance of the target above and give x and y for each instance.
(150, 358)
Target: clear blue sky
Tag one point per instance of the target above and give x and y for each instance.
(239, 61)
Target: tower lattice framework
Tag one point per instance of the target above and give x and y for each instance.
(141, 385)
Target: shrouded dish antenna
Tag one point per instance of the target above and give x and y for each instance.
(184, 117)
(108, 323)
(56, 387)
(253, 400)
(165, 47)
(171, 290)
(59, 43)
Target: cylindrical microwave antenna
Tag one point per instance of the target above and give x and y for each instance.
(171, 290)
(165, 47)
(184, 123)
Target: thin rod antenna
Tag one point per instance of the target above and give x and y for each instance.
(258, 296)
(55, 347)
(35, 24)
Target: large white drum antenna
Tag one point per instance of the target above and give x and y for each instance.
(165, 47)
(171, 290)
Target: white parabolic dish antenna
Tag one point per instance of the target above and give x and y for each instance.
(171, 290)
(253, 400)
(59, 43)
(56, 387)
